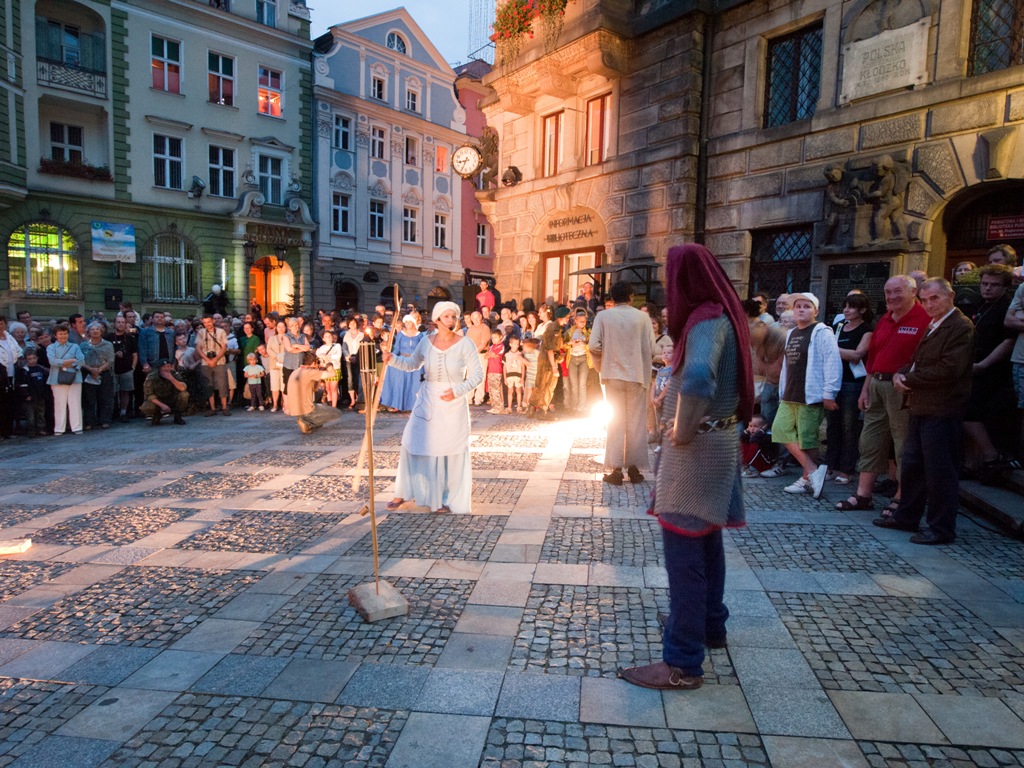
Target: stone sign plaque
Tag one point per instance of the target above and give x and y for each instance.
(895, 58)
(869, 277)
(578, 228)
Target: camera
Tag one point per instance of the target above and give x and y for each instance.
(211, 354)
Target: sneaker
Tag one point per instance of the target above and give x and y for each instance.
(749, 472)
(817, 480)
(776, 471)
(800, 486)
(250, 409)
(261, 407)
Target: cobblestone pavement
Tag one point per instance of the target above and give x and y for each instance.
(434, 537)
(185, 604)
(597, 540)
(111, 525)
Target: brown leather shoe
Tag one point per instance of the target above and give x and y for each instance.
(661, 677)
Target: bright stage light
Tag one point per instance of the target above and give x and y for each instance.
(601, 413)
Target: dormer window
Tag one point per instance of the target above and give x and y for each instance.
(396, 43)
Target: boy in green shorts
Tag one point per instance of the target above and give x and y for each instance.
(812, 374)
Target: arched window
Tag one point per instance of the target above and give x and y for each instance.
(396, 43)
(170, 269)
(43, 259)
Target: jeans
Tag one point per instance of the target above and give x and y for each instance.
(696, 580)
(98, 400)
(843, 430)
(929, 473)
(576, 391)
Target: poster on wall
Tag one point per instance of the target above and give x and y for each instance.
(113, 242)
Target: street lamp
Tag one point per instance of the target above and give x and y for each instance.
(249, 252)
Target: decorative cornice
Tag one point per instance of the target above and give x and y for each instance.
(166, 122)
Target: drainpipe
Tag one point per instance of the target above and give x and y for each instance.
(700, 204)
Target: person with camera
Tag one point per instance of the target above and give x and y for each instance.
(212, 344)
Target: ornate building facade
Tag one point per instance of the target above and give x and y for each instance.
(165, 147)
(387, 199)
(852, 141)
(810, 144)
(598, 127)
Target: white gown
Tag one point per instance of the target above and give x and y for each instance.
(434, 466)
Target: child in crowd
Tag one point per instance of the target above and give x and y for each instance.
(495, 354)
(531, 352)
(660, 387)
(515, 368)
(254, 373)
(758, 453)
(30, 382)
(266, 362)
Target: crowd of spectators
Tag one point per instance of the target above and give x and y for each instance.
(847, 382)
(537, 360)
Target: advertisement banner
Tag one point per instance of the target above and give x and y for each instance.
(113, 242)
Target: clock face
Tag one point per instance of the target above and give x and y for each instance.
(466, 161)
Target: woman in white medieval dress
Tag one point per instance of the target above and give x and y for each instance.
(434, 464)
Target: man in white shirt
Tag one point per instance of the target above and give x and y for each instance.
(621, 344)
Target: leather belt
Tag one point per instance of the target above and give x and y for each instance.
(882, 376)
(715, 425)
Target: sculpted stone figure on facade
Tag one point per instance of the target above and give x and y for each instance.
(886, 193)
(839, 197)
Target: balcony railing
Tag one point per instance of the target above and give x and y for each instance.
(56, 74)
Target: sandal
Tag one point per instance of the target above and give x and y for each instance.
(394, 504)
(858, 502)
(889, 510)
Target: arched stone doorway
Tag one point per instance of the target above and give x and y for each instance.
(981, 217)
(346, 296)
(437, 294)
(387, 297)
(271, 283)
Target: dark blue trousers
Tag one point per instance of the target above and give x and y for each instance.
(929, 473)
(696, 580)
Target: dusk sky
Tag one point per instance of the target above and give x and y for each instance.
(445, 22)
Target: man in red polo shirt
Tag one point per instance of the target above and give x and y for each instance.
(893, 343)
(485, 300)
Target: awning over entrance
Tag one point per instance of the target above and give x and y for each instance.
(644, 271)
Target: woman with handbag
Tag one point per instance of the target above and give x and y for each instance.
(65, 381)
(98, 388)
